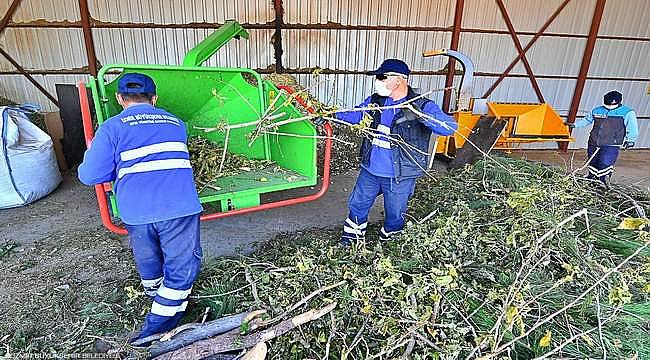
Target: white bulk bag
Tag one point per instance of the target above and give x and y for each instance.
(28, 167)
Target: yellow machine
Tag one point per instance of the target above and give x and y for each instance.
(494, 125)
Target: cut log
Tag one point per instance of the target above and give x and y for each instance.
(201, 331)
(233, 341)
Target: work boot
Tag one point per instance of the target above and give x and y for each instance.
(384, 235)
(346, 241)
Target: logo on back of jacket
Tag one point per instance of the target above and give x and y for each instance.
(144, 119)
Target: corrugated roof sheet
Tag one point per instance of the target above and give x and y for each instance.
(351, 50)
(370, 12)
(626, 18)
(51, 10)
(529, 15)
(181, 11)
(169, 46)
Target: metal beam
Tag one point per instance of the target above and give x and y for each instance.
(528, 46)
(8, 15)
(451, 65)
(586, 63)
(98, 24)
(276, 39)
(520, 50)
(88, 37)
(310, 70)
(29, 77)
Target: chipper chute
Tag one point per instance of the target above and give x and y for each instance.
(483, 125)
(224, 106)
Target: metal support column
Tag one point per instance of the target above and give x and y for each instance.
(586, 63)
(451, 65)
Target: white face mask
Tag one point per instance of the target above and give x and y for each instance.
(611, 107)
(381, 89)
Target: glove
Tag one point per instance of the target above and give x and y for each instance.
(570, 125)
(319, 121)
(628, 144)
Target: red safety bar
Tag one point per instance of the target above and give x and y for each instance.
(101, 189)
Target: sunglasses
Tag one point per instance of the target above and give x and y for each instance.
(381, 77)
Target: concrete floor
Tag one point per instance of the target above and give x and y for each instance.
(73, 207)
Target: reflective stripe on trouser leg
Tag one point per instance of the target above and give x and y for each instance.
(179, 240)
(151, 286)
(354, 231)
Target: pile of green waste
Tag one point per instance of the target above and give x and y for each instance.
(504, 259)
(209, 162)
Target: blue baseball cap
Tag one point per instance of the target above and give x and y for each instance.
(392, 67)
(134, 83)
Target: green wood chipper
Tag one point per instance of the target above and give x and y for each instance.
(223, 105)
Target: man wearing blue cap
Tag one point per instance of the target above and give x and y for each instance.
(397, 153)
(614, 127)
(143, 150)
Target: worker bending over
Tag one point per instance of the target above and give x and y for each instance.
(143, 149)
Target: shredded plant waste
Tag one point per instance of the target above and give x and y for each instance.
(210, 163)
(516, 261)
(511, 261)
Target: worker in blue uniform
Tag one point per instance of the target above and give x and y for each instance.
(615, 127)
(143, 150)
(397, 152)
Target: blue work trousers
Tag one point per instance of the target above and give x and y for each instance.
(367, 188)
(168, 258)
(601, 165)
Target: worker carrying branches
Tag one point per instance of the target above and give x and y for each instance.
(397, 152)
(614, 127)
(143, 150)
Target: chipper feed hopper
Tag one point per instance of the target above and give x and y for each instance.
(227, 102)
(484, 125)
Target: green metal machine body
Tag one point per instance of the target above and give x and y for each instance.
(209, 97)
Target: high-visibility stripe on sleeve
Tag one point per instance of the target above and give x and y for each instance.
(154, 165)
(165, 310)
(153, 149)
(173, 294)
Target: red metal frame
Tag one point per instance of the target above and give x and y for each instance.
(88, 37)
(101, 189)
(585, 65)
(451, 64)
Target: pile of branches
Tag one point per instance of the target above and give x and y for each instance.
(505, 259)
